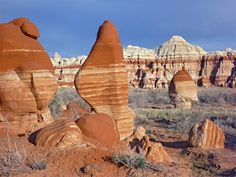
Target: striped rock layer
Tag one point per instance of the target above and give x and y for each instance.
(206, 135)
(182, 89)
(102, 80)
(62, 133)
(27, 82)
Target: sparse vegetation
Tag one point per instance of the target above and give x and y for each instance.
(129, 161)
(209, 106)
(64, 96)
(12, 159)
(134, 161)
(37, 163)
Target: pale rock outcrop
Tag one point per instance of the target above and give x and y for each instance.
(182, 90)
(62, 133)
(177, 48)
(102, 80)
(207, 135)
(66, 68)
(26, 77)
(138, 52)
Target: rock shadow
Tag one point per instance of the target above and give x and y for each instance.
(175, 144)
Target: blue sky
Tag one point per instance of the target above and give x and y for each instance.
(70, 26)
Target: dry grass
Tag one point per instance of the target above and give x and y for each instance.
(214, 103)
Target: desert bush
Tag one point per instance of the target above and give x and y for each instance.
(12, 159)
(64, 96)
(135, 161)
(129, 161)
(37, 163)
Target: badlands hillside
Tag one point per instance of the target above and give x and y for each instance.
(154, 68)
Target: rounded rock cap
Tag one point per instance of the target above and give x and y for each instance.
(107, 33)
(182, 75)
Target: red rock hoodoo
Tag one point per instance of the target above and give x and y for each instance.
(102, 80)
(26, 78)
(100, 128)
(182, 89)
(206, 135)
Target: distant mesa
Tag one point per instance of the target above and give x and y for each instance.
(26, 77)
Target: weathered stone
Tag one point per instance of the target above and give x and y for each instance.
(62, 133)
(100, 128)
(206, 135)
(102, 79)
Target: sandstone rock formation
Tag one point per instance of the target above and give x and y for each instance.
(206, 135)
(26, 78)
(182, 90)
(62, 133)
(102, 79)
(154, 68)
(99, 128)
(153, 151)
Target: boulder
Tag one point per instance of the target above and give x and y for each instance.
(26, 78)
(62, 133)
(182, 90)
(207, 135)
(102, 80)
(99, 128)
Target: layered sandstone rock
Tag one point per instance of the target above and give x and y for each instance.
(102, 79)
(153, 151)
(182, 90)
(62, 133)
(99, 128)
(26, 78)
(206, 135)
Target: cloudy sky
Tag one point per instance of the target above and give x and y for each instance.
(70, 26)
